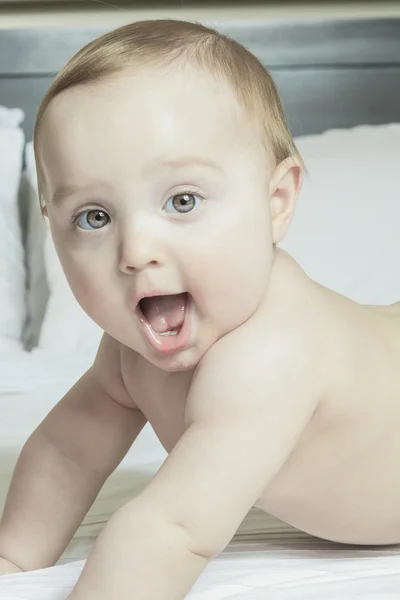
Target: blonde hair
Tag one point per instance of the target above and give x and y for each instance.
(165, 42)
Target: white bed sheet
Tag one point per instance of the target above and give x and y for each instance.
(266, 560)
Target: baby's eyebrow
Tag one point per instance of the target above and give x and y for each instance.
(189, 161)
(64, 191)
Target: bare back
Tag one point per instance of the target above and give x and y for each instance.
(342, 481)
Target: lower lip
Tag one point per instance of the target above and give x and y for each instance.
(168, 344)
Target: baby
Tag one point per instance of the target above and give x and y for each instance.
(168, 175)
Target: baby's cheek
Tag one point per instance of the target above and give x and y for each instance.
(87, 275)
(99, 298)
(85, 286)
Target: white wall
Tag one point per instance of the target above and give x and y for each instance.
(103, 15)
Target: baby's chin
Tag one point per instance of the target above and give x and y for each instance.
(185, 360)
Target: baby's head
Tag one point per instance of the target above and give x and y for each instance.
(166, 169)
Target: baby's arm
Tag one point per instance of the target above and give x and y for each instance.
(65, 462)
(244, 417)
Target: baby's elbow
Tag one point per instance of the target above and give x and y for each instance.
(206, 544)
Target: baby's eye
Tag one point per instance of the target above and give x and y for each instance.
(93, 219)
(182, 203)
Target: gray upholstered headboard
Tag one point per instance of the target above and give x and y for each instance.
(329, 73)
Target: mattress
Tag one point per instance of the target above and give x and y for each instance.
(267, 559)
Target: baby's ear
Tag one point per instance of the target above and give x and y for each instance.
(284, 188)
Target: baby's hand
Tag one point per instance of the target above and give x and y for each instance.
(7, 567)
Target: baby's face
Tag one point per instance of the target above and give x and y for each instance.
(156, 186)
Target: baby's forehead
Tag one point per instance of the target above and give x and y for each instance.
(139, 111)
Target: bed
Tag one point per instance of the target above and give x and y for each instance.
(336, 75)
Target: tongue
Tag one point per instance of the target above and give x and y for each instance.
(164, 312)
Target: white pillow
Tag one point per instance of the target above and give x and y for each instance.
(12, 267)
(66, 327)
(345, 233)
(346, 229)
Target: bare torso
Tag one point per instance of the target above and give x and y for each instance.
(342, 481)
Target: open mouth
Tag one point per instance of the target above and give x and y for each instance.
(165, 320)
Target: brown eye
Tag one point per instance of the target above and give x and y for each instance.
(93, 219)
(182, 203)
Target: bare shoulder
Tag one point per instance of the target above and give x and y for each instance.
(336, 340)
(274, 358)
(287, 332)
(107, 371)
(308, 321)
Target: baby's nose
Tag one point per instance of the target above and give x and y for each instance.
(139, 247)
